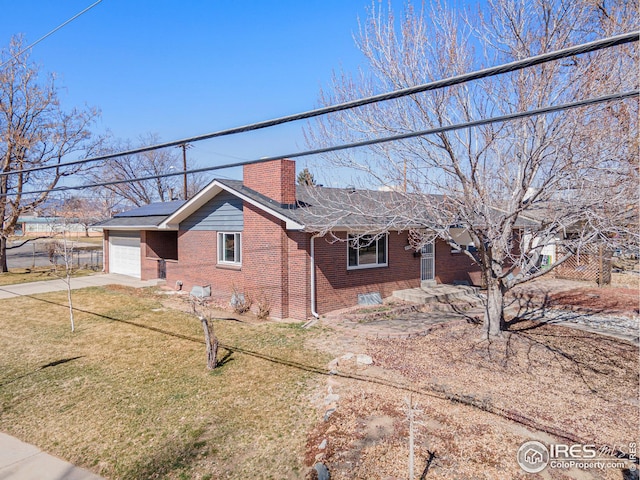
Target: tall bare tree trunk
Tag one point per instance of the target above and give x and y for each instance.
(68, 281)
(3, 255)
(212, 343)
(494, 313)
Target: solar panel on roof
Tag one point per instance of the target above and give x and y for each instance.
(158, 208)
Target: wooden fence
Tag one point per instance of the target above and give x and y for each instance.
(591, 264)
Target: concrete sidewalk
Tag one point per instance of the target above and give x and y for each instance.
(97, 280)
(22, 461)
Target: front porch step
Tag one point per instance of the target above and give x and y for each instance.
(441, 294)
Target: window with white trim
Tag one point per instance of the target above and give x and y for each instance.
(229, 248)
(366, 251)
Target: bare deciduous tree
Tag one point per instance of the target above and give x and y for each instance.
(516, 188)
(146, 164)
(202, 310)
(34, 131)
(83, 211)
(63, 249)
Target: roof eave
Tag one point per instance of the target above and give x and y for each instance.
(127, 227)
(214, 188)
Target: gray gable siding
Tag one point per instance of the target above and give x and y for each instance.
(221, 213)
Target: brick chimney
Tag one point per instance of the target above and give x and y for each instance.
(275, 179)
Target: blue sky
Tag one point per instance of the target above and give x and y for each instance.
(180, 69)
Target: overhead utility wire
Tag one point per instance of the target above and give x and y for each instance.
(458, 126)
(447, 82)
(50, 33)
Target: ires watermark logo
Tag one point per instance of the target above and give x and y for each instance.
(534, 456)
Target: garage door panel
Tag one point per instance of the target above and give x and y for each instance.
(124, 254)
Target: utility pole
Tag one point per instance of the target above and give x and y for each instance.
(184, 147)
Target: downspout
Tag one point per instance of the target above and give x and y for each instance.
(313, 278)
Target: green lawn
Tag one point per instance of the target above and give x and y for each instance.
(128, 395)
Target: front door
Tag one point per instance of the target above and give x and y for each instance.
(427, 264)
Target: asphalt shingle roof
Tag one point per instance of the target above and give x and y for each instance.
(317, 208)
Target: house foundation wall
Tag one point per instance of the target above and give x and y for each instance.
(338, 287)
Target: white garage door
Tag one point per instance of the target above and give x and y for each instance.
(124, 253)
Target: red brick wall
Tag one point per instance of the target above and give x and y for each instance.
(276, 266)
(298, 246)
(153, 246)
(265, 260)
(197, 265)
(161, 245)
(149, 266)
(337, 287)
(450, 267)
(275, 179)
(267, 252)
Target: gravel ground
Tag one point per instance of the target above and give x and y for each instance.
(475, 401)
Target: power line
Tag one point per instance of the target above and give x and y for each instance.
(431, 131)
(50, 33)
(438, 84)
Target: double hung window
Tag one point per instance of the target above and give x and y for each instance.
(229, 248)
(367, 251)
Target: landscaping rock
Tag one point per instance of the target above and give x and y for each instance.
(333, 397)
(328, 413)
(363, 359)
(322, 471)
(332, 365)
(323, 444)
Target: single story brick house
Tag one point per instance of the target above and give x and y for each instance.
(258, 236)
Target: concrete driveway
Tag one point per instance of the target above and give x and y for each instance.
(97, 280)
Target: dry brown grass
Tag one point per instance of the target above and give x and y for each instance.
(542, 382)
(37, 274)
(128, 395)
(625, 279)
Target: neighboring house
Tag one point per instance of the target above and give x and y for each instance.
(591, 262)
(36, 225)
(258, 236)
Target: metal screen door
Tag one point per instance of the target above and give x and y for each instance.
(427, 262)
